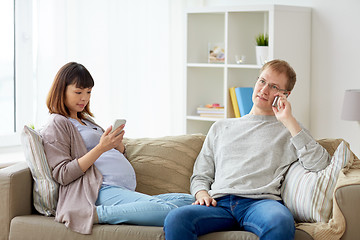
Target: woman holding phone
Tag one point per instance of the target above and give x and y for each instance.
(97, 182)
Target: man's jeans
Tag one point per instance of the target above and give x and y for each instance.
(119, 205)
(268, 219)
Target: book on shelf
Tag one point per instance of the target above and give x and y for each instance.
(211, 110)
(234, 102)
(209, 115)
(244, 99)
(205, 110)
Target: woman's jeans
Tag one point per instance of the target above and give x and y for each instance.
(119, 205)
(268, 219)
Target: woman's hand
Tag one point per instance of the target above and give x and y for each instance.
(107, 141)
(112, 140)
(203, 198)
(121, 147)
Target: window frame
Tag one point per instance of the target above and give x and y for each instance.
(23, 74)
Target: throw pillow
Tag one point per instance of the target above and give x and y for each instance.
(163, 164)
(45, 190)
(308, 195)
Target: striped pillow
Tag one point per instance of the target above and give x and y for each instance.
(45, 190)
(307, 194)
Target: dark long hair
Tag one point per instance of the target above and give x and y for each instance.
(70, 73)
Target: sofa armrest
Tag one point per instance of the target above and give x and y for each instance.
(15, 195)
(348, 200)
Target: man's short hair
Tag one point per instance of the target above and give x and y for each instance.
(282, 66)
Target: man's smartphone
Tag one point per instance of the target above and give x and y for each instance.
(117, 123)
(275, 102)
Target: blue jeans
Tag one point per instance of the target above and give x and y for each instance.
(268, 219)
(119, 205)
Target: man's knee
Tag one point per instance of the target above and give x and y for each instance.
(179, 216)
(281, 227)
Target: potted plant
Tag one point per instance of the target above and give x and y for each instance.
(262, 48)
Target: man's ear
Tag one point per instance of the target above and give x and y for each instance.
(288, 94)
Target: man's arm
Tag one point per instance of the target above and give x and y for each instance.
(204, 172)
(312, 156)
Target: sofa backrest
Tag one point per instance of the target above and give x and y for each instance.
(163, 164)
(331, 144)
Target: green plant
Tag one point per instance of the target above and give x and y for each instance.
(262, 40)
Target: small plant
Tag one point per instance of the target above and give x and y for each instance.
(262, 40)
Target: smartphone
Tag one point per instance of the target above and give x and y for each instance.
(275, 102)
(117, 123)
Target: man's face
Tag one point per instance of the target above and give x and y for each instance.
(266, 88)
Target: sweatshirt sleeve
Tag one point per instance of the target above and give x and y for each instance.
(204, 167)
(57, 142)
(312, 156)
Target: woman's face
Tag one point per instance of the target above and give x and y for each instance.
(76, 99)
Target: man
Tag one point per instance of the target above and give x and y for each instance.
(238, 173)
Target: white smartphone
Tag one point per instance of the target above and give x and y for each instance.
(117, 123)
(275, 102)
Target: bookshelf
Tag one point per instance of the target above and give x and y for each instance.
(289, 31)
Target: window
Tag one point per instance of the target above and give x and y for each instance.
(38, 37)
(7, 76)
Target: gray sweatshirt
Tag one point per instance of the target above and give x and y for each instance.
(249, 157)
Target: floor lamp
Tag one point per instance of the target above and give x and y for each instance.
(351, 105)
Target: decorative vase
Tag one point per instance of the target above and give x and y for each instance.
(262, 54)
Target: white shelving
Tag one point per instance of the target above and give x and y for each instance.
(289, 32)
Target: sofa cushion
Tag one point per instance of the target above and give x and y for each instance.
(307, 194)
(38, 227)
(163, 164)
(45, 190)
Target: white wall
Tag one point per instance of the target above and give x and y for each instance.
(334, 62)
(125, 48)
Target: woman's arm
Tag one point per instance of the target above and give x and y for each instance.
(64, 147)
(107, 141)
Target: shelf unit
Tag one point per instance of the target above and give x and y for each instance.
(289, 30)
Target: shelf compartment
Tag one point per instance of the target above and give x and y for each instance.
(204, 29)
(196, 126)
(243, 27)
(203, 87)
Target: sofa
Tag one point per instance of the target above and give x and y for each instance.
(162, 165)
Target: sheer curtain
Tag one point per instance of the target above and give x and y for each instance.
(126, 46)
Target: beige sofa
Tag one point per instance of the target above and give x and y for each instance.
(162, 165)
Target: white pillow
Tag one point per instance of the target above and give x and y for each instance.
(45, 190)
(309, 195)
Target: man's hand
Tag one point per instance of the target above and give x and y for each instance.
(284, 114)
(203, 198)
